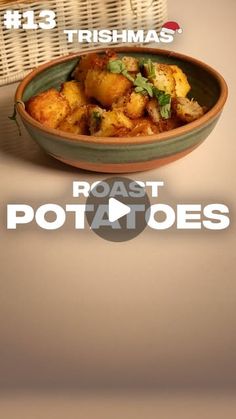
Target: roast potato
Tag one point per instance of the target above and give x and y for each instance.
(112, 122)
(182, 85)
(187, 110)
(132, 104)
(74, 93)
(113, 100)
(105, 87)
(135, 107)
(86, 63)
(76, 121)
(49, 108)
(171, 79)
(164, 79)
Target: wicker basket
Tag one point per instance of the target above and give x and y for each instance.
(21, 50)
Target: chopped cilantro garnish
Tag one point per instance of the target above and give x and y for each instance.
(116, 66)
(96, 115)
(127, 75)
(165, 111)
(95, 122)
(150, 69)
(164, 100)
(142, 85)
(142, 61)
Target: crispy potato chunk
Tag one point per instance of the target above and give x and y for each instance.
(135, 107)
(112, 122)
(92, 61)
(182, 85)
(76, 121)
(121, 102)
(187, 110)
(171, 79)
(164, 79)
(71, 128)
(73, 92)
(132, 104)
(86, 62)
(49, 108)
(105, 87)
(101, 102)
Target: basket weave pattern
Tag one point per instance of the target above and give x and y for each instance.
(21, 50)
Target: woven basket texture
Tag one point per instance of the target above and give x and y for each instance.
(21, 50)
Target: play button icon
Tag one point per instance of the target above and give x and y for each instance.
(117, 209)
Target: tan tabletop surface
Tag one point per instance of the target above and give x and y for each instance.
(157, 311)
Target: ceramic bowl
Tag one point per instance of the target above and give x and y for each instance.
(126, 154)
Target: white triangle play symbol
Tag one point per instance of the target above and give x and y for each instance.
(117, 210)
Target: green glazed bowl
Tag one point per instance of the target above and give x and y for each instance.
(125, 154)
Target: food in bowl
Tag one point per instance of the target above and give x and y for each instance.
(112, 96)
(121, 154)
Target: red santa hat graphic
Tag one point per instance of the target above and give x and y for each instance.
(172, 27)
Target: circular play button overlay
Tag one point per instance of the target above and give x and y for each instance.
(117, 209)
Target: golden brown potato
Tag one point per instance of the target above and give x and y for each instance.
(49, 108)
(102, 103)
(105, 87)
(71, 128)
(74, 93)
(164, 79)
(182, 85)
(135, 107)
(92, 61)
(171, 79)
(86, 62)
(132, 104)
(76, 121)
(187, 110)
(121, 102)
(112, 122)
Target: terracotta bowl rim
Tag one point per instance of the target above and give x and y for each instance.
(168, 135)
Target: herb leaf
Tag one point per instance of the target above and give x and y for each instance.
(142, 62)
(165, 111)
(164, 100)
(150, 69)
(116, 66)
(142, 85)
(96, 115)
(127, 75)
(95, 121)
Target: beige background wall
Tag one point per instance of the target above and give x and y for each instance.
(159, 311)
